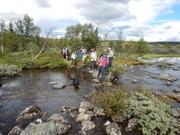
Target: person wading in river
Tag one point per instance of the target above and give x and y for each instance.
(103, 64)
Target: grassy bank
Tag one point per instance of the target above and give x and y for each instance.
(149, 56)
(125, 60)
(24, 60)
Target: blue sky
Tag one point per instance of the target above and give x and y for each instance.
(154, 20)
(173, 14)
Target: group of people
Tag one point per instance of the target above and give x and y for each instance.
(102, 63)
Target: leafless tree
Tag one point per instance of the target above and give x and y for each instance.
(2, 30)
(44, 42)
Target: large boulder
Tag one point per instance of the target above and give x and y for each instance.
(59, 86)
(15, 131)
(85, 106)
(113, 129)
(29, 114)
(85, 116)
(57, 118)
(87, 126)
(47, 128)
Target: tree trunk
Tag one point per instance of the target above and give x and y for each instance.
(44, 44)
(2, 45)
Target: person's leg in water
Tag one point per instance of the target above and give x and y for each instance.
(94, 65)
(103, 72)
(99, 72)
(110, 61)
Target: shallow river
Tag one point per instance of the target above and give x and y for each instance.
(34, 88)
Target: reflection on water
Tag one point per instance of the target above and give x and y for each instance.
(33, 87)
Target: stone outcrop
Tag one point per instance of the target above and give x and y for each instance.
(113, 129)
(15, 131)
(29, 114)
(47, 128)
(87, 126)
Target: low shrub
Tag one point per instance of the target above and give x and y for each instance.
(9, 70)
(114, 103)
(154, 116)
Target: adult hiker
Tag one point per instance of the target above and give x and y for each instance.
(93, 56)
(110, 56)
(67, 52)
(64, 52)
(102, 66)
(74, 57)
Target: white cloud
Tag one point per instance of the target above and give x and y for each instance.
(135, 17)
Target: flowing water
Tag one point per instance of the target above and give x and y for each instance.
(144, 75)
(34, 88)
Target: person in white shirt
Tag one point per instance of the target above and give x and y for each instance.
(73, 57)
(93, 56)
(110, 56)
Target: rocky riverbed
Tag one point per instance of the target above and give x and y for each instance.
(50, 90)
(86, 119)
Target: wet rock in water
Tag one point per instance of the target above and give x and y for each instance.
(113, 129)
(53, 83)
(15, 131)
(135, 81)
(95, 81)
(59, 86)
(168, 83)
(47, 128)
(85, 106)
(87, 126)
(87, 96)
(57, 117)
(175, 97)
(30, 113)
(176, 91)
(99, 111)
(45, 116)
(85, 116)
(175, 68)
(127, 78)
(38, 121)
(132, 124)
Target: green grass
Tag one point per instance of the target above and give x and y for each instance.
(24, 60)
(149, 56)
